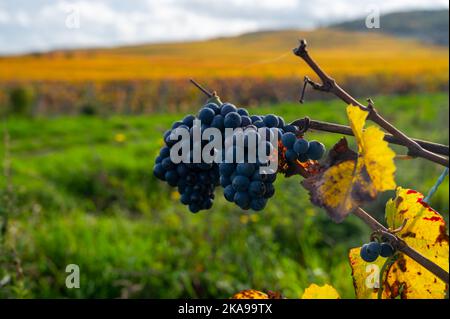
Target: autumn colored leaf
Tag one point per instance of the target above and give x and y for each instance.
(320, 292)
(374, 152)
(365, 275)
(425, 231)
(336, 187)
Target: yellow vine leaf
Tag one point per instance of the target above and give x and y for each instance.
(320, 292)
(365, 275)
(338, 187)
(425, 231)
(374, 152)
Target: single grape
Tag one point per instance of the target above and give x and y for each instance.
(291, 155)
(256, 189)
(171, 177)
(270, 190)
(258, 204)
(242, 112)
(228, 193)
(214, 107)
(386, 250)
(206, 115)
(316, 150)
(301, 146)
(281, 122)
(259, 124)
(291, 129)
(245, 121)
(232, 120)
(288, 140)
(240, 183)
(242, 199)
(227, 108)
(167, 164)
(189, 120)
(159, 172)
(271, 120)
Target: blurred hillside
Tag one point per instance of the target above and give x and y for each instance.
(427, 25)
(249, 69)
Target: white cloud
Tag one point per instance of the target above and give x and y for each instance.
(42, 24)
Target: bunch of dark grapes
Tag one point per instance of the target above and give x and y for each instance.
(298, 148)
(371, 251)
(249, 182)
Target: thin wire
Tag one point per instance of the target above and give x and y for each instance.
(436, 185)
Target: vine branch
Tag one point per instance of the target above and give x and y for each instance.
(330, 85)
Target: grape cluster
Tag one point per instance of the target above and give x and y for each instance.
(371, 251)
(247, 183)
(298, 148)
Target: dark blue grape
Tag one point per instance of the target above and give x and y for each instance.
(288, 139)
(182, 170)
(259, 124)
(271, 120)
(225, 181)
(386, 250)
(255, 118)
(159, 172)
(369, 254)
(291, 128)
(214, 107)
(291, 155)
(167, 164)
(194, 207)
(189, 120)
(206, 115)
(270, 190)
(258, 204)
(164, 152)
(232, 120)
(301, 146)
(269, 178)
(218, 122)
(245, 169)
(185, 198)
(256, 189)
(281, 122)
(227, 108)
(228, 193)
(242, 112)
(316, 150)
(176, 124)
(242, 199)
(245, 121)
(171, 177)
(240, 183)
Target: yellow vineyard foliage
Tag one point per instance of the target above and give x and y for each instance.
(320, 292)
(425, 231)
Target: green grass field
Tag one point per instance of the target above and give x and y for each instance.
(82, 192)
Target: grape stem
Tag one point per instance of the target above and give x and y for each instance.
(403, 246)
(306, 123)
(330, 85)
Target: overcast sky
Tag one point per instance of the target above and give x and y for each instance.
(40, 25)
